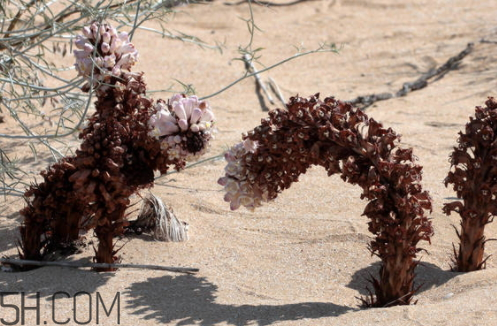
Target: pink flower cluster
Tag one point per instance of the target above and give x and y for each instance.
(239, 190)
(103, 51)
(184, 125)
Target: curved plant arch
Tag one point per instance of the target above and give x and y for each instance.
(343, 140)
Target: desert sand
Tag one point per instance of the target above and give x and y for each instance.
(302, 259)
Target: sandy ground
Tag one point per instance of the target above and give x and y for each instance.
(303, 259)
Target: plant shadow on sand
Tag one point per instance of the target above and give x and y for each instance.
(8, 238)
(9, 231)
(188, 300)
(427, 276)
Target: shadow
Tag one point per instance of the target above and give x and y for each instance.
(130, 235)
(9, 237)
(427, 276)
(187, 300)
(9, 232)
(260, 97)
(50, 279)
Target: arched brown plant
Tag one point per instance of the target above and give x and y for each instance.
(125, 141)
(474, 179)
(343, 140)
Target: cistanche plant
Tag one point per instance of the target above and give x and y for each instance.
(343, 140)
(127, 138)
(473, 177)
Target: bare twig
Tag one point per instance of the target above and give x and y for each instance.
(267, 3)
(18, 17)
(276, 90)
(320, 49)
(487, 41)
(453, 63)
(249, 66)
(367, 100)
(188, 166)
(9, 261)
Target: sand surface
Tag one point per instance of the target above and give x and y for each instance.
(303, 259)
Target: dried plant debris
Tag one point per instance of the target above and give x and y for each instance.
(473, 177)
(158, 219)
(343, 140)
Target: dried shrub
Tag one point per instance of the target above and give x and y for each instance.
(125, 141)
(343, 140)
(473, 176)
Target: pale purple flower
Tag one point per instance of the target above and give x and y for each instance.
(184, 126)
(239, 190)
(249, 145)
(118, 53)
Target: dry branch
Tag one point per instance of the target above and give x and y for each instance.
(364, 102)
(21, 262)
(276, 90)
(249, 66)
(267, 3)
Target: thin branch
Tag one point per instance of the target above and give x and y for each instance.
(452, 63)
(135, 24)
(213, 158)
(9, 261)
(249, 66)
(267, 3)
(276, 90)
(17, 17)
(483, 40)
(321, 49)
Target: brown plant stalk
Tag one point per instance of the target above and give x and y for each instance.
(125, 141)
(343, 140)
(474, 179)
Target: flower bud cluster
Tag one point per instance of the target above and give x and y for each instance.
(239, 190)
(105, 52)
(184, 126)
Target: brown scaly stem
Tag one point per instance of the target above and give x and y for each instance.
(343, 140)
(66, 227)
(472, 247)
(125, 141)
(396, 281)
(105, 234)
(474, 178)
(30, 242)
(105, 252)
